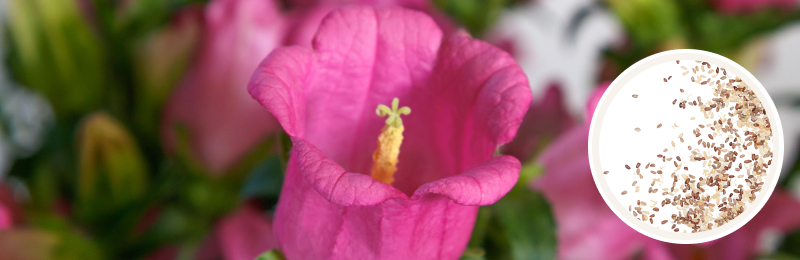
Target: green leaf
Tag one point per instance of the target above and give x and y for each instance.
(55, 51)
(476, 15)
(71, 243)
(649, 22)
(265, 180)
(519, 226)
(791, 245)
(273, 254)
(112, 171)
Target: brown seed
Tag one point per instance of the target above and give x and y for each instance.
(605, 172)
(627, 167)
(663, 222)
(638, 164)
(624, 192)
(635, 96)
(665, 79)
(659, 125)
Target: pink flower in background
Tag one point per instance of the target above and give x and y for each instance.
(212, 101)
(245, 234)
(467, 96)
(545, 120)
(584, 220)
(747, 6)
(6, 219)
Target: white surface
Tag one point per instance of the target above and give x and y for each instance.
(614, 143)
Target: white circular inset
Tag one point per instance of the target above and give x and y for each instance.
(701, 166)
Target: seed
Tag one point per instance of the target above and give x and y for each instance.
(624, 192)
(659, 125)
(627, 167)
(605, 172)
(637, 129)
(681, 90)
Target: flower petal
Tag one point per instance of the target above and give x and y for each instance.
(337, 185)
(479, 186)
(245, 235)
(210, 100)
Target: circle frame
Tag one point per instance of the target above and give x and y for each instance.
(617, 85)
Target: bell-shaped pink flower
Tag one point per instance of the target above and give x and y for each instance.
(467, 99)
(584, 221)
(237, 34)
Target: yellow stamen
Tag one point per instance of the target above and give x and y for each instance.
(384, 160)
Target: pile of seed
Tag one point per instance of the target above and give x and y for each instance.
(733, 147)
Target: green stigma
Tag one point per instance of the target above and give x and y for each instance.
(393, 113)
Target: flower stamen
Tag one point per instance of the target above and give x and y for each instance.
(384, 160)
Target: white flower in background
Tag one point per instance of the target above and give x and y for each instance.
(25, 116)
(775, 61)
(561, 42)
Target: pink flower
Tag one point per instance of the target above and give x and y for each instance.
(245, 234)
(584, 220)
(211, 101)
(5, 218)
(748, 6)
(467, 96)
(545, 120)
(10, 211)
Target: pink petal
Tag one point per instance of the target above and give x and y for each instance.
(245, 235)
(749, 6)
(211, 101)
(6, 220)
(545, 120)
(594, 99)
(337, 185)
(308, 226)
(492, 180)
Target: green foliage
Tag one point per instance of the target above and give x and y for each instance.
(56, 52)
(475, 15)
(271, 255)
(519, 226)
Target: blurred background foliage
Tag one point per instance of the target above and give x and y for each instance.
(101, 186)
